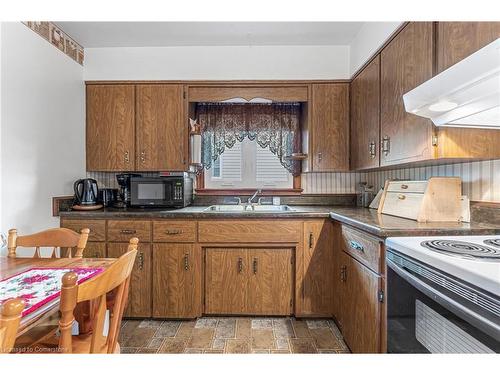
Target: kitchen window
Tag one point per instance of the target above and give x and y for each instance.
(248, 165)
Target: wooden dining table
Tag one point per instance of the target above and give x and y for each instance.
(13, 266)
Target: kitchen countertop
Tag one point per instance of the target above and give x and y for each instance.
(362, 218)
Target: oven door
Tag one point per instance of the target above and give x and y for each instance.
(150, 192)
(430, 312)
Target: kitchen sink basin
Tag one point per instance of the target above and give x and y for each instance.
(248, 209)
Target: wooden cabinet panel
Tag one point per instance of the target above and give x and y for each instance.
(457, 40)
(365, 117)
(361, 310)
(176, 281)
(226, 281)
(123, 230)
(363, 247)
(110, 137)
(270, 286)
(139, 298)
(95, 250)
(315, 270)
(274, 93)
(161, 129)
(406, 62)
(174, 231)
(329, 139)
(97, 227)
(269, 231)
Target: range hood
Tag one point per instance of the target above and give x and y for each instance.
(465, 95)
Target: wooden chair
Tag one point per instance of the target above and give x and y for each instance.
(62, 238)
(115, 280)
(10, 316)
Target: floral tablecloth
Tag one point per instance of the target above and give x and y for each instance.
(38, 286)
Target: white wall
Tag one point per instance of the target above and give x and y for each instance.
(42, 128)
(217, 63)
(369, 38)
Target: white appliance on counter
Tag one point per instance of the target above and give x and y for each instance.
(443, 294)
(466, 94)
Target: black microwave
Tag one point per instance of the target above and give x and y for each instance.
(173, 191)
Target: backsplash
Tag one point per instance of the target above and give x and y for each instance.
(481, 179)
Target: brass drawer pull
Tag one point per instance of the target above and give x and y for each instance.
(128, 231)
(356, 245)
(186, 262)
(240, 265)
(254, 266)
(172, 232)
(404, 186)
(311, 240)
(401, 197)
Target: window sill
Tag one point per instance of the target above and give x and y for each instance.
(233, 192)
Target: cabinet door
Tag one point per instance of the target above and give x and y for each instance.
(315, 270)
(457, 40)
(95, 250)
(361, 310)
(329, 142)
(406, 62)
(110, 137)
(176, 281)
(139, 297)
(226, 281)
(161, 130)
(365, 111)
(270, 282)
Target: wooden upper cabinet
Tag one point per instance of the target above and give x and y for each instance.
(457, 40)
(365, 117)
(176, 280)
(315, 270)
(110, 132)
(406, 62)
(329, 138)
(161, 130)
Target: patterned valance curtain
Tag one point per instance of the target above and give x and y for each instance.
(275, 126)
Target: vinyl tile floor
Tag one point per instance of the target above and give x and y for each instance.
(218, 335)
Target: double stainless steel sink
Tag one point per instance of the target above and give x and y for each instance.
(249, 208)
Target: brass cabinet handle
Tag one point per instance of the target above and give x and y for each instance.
(404, 186)
(356, 245)
(240, 265)
(186, 262)
(401, 196)
(128, 231)
(372, 149)
(311, 240)
(343, 273)
(386, 145)
(126, 157)
(172, 232)
(254, 266)
(141, 261)
(143, 157)
(320, 156)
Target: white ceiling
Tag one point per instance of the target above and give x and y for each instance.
(163, 34)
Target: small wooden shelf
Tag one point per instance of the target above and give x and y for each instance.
(296, 156)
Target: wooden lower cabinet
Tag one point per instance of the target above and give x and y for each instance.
(95, 250)
(139, 298)
(360, 311)
(248, 281)
(314, 283)
(176, 280)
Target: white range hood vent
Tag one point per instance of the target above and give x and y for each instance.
(465, 95)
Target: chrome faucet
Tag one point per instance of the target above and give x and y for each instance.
(259, 191)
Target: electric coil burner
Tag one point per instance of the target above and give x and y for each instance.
(493, 242)
(463, 249)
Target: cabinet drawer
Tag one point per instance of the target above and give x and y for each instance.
(362, 247)
(97, 228)
(123, 230)
(174, 231)
(407, 186)
(271, 231)
(403, 204)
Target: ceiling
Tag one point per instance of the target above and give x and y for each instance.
(164, 34)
